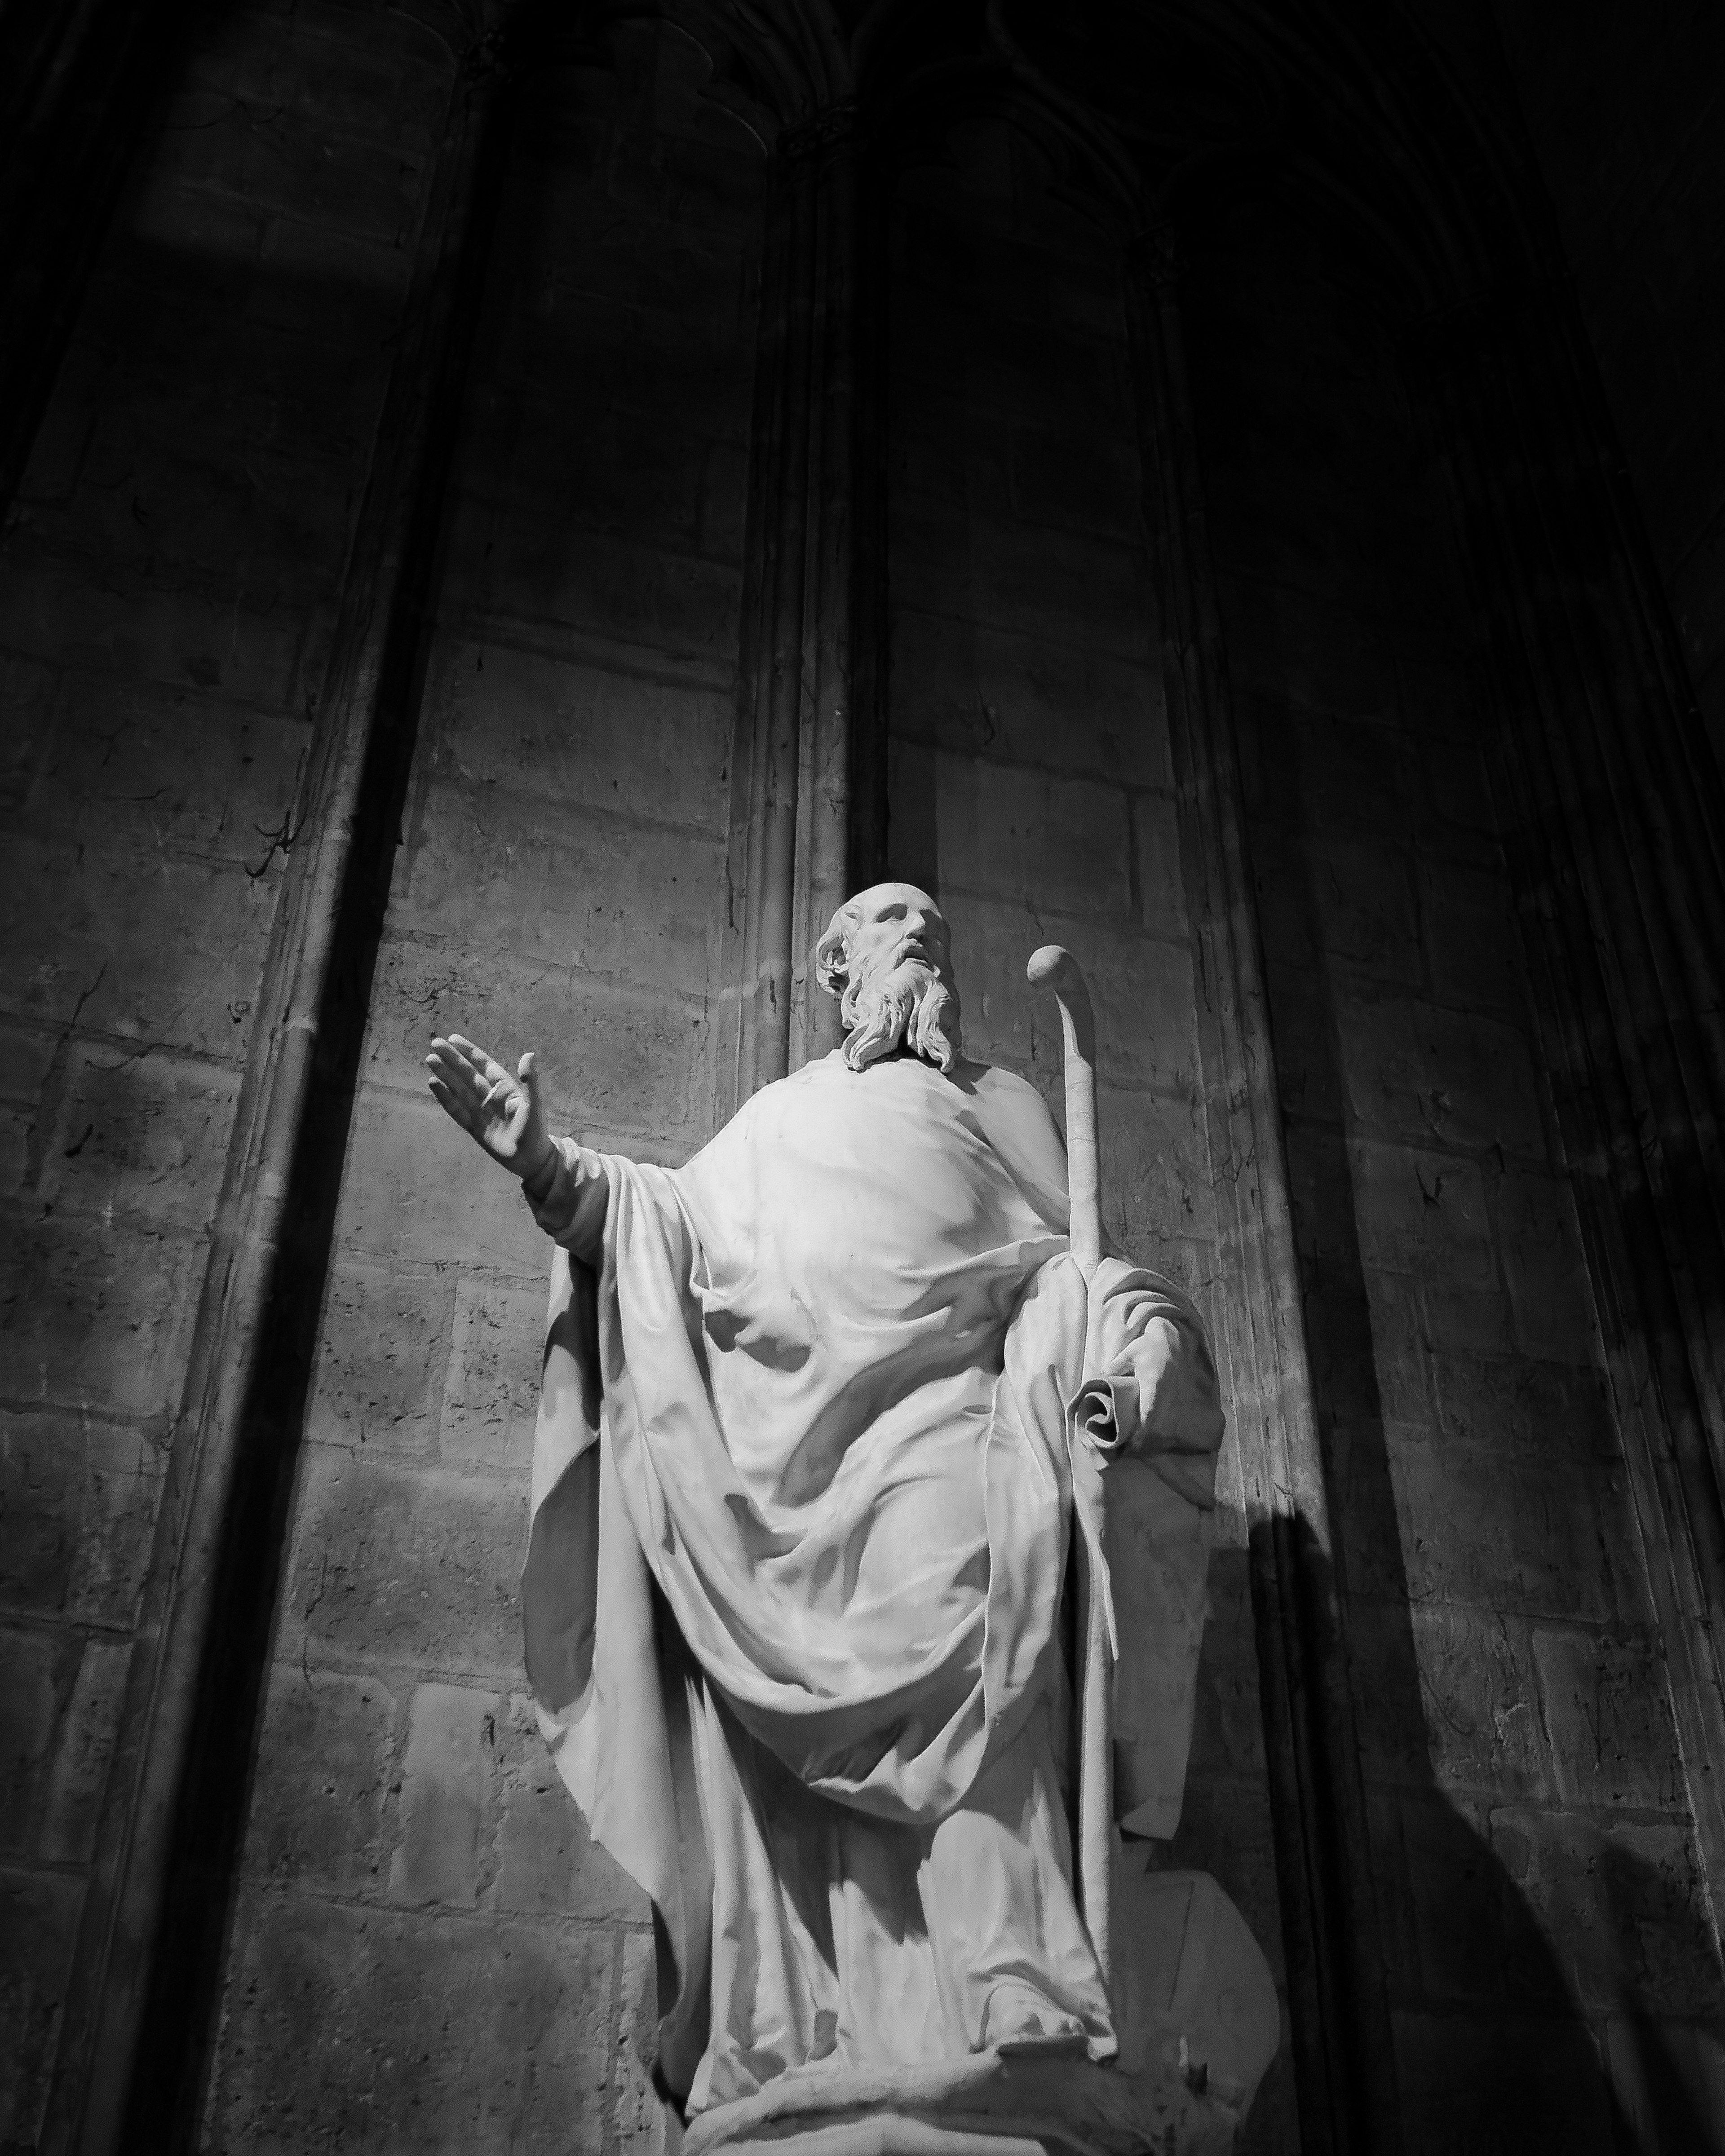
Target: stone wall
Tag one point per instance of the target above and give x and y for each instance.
(168, 588)
(1031, 787)
(1625, 106)
(420, 1910)
(1549, 1956)
(426, 1953)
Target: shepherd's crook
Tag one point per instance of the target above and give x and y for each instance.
(1053, 967)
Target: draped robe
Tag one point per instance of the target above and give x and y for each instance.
(803, 1517)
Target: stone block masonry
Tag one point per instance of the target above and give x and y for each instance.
(171, 567)
(1532, 1847)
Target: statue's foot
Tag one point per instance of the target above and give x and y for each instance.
(1020, 2023)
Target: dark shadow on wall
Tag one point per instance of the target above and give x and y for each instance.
(1495, 2052)
(1543, 1985)
(182, 1973)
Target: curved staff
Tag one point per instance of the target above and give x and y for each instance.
(1054, 968)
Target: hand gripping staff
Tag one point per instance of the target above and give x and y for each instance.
(1053, 967)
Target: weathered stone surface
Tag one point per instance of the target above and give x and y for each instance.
(1157, 1172)
(1395, 1379)
(639, 2115)
(1485, 1731)
(542, 1860)
(490, 1393)
(84, 1745)
(1423, 1213)
(324, 1760)
(140, 1135)
(618, 1057)
(382, 1347)
(543, 726)
(1608, 1715)
(1007, 833)
(1529, 1410)
(579, 890)
(154, 769)
(39, 1925)
(394, 2031)
(186, 643)
(1619, 1910)
(27, 691)
(95, 1316)
(397, 1566)
(165, 954)
(1065, 587)
(416, 1204)
(1543, 1267)
(1155, 854)
(1555, 1539)
(1470, 1321)
(29, 1668)
(80, 1506)
(452, 1741)
(973, 690)
(1425, 1076)
(540, 570)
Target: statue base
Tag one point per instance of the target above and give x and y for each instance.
(984, 2105)
(1199, 2022)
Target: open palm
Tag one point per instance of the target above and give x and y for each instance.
(500, 1110)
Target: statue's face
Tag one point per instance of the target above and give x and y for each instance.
(897, 922)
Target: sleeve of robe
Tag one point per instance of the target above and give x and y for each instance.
(593, 1636)
(1150, 1412)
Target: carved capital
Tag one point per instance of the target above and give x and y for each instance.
(813, 137)
(1156, 256)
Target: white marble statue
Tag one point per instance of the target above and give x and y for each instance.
(817, 1590)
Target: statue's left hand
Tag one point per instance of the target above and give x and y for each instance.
(502, 1113)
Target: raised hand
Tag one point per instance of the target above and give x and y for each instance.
(502, 1112)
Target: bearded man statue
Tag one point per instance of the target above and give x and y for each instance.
(797, 1599)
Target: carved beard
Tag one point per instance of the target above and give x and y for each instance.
(912, 1005)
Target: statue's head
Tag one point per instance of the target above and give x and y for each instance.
(887, 957)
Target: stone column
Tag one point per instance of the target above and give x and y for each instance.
(1342, 2049)
(794, 718)
(1613, 822)
(141, 2001)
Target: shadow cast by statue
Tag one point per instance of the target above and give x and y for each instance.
(1505, 2040)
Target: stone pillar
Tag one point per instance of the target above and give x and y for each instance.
(1614, 821)
(141, 2002)
(793, 736)
(1342, 2048)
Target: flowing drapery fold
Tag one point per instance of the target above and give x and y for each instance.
(815, 1408)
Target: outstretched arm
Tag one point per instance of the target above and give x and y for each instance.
(567, 1188)
(499, 1112)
